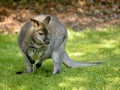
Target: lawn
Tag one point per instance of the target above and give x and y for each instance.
(88, 46)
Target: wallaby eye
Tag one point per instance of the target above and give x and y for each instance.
(40, 33)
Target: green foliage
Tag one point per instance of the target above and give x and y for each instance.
(89, 45)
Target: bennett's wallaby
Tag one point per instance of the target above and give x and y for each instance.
(45, 37)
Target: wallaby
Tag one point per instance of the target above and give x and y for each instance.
(43, 37)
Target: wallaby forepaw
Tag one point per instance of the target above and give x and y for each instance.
(38, 65)
(32, 61)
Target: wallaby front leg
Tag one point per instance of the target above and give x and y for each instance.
(57, 62)
(29, 66)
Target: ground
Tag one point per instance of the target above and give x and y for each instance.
(87, 46)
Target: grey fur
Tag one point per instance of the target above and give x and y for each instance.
(57, 36)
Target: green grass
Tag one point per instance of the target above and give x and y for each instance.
(88, 46)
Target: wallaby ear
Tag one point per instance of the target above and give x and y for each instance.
(46, 20)
(34, 22)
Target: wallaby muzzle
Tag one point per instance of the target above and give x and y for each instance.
(46, 40)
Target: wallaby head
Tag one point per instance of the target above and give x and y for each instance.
(40, 31)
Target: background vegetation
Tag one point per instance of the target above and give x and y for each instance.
(75, 14)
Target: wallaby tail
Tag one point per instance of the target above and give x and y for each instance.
(70, 63)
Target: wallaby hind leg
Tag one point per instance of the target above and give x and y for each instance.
(58, 55)
(29, 66)
(57, 62)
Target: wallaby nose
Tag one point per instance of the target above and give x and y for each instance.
(47, 41)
